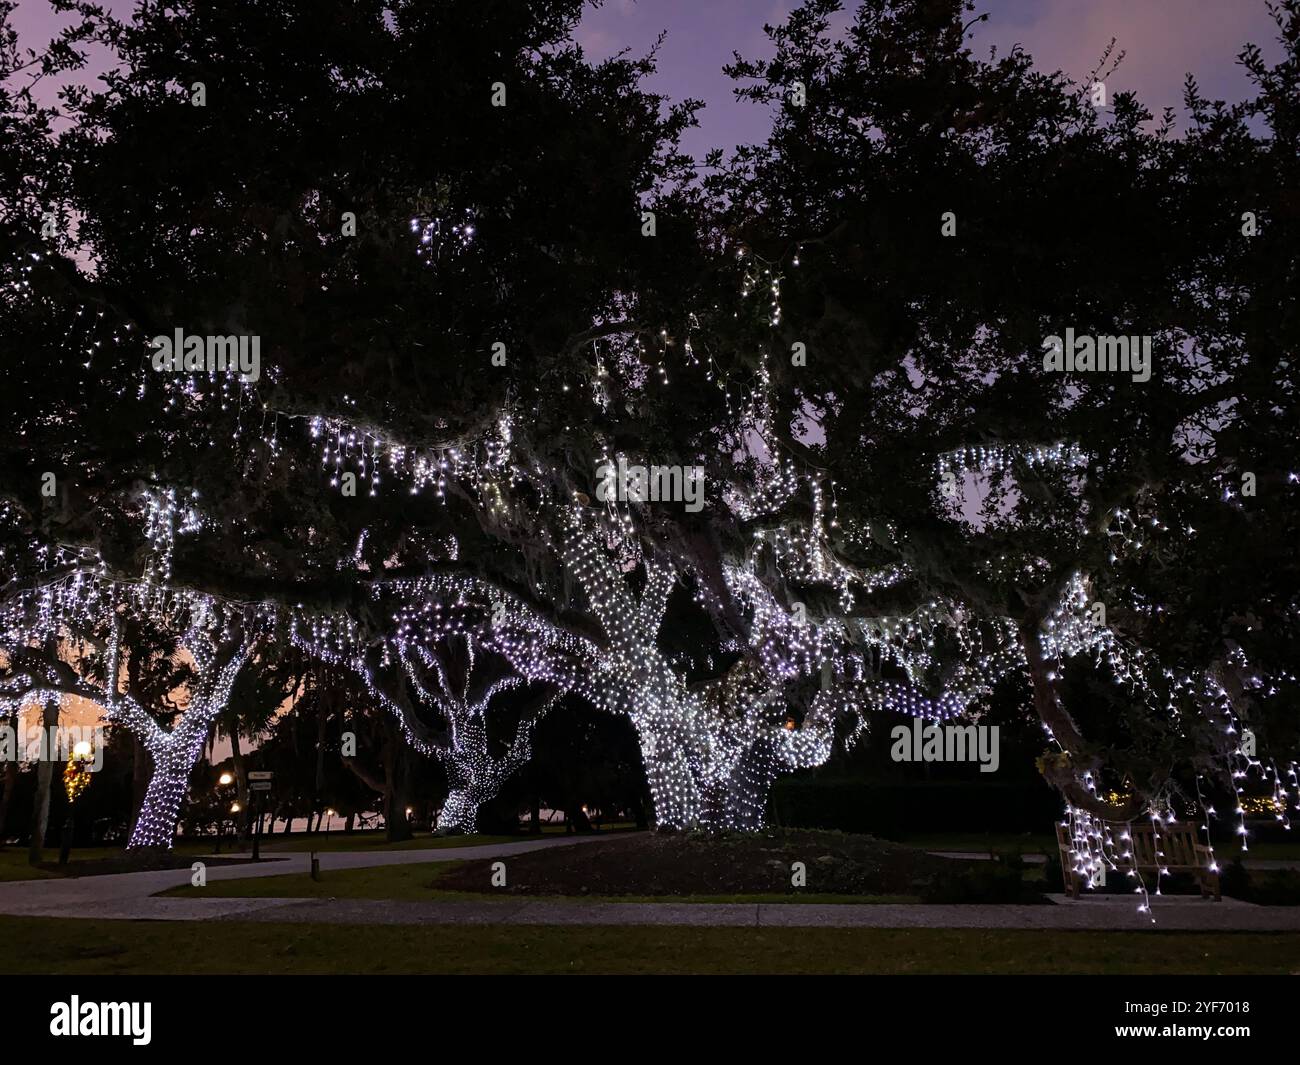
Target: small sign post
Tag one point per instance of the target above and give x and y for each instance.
(260, 782)
(257, 833)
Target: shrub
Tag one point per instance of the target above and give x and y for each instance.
(1053, 879)
(1278, 888)
(1235, 880)
(993, 881)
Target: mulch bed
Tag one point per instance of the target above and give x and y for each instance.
(648, 863)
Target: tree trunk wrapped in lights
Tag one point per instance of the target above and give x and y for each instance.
(218, 654)
(711, 754)
(1136, 479)
(175, 753)
(459, 643)
(461, 680)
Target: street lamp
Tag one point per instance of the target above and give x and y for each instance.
(224, 781)
(76, 778)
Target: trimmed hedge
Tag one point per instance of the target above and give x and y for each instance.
(894, 811)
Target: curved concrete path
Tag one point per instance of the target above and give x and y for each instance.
(1172, 914)
(128, 896)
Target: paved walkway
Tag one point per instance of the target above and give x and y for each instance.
(1110, 913)
(1038, 859)
(1121, 914)
(128, 896)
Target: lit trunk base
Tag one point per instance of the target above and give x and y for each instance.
(687, 798)
(460, 812)
(156, 825)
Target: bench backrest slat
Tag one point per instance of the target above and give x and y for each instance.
(1176, 847)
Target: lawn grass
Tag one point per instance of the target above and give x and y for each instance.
(1263, 849)
(373, 841)
(63, 946)
(13, 866)
(1006, 842)
(403, 882)
(13, 860)
(419, 883)
(983, 842)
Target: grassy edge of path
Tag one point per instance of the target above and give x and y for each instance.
(419, 883)
(86, 946)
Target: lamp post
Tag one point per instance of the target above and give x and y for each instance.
(224, 781)
(76, 778)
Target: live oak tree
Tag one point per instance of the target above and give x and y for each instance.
(352, 246)
(932, 217)
(490, 734)
(481, 272)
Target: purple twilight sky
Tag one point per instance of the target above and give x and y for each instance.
(1163, 39)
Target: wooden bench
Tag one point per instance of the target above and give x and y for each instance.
(1181, 852)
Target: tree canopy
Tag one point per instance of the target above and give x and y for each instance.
(485, 281)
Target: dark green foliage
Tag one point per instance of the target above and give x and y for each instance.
(997, 881)
(1275, 887)
(1235, 880)
(894, 811)
(1053, 882)
(229, 218)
